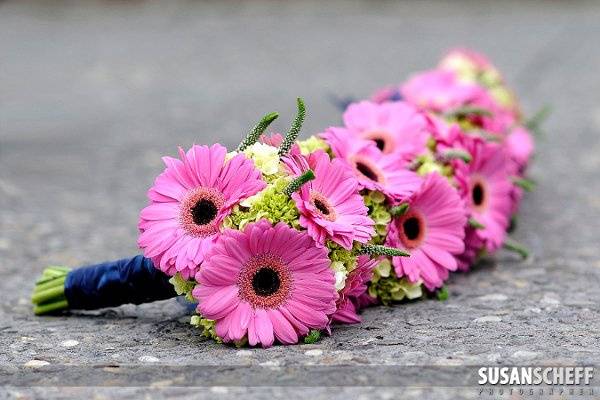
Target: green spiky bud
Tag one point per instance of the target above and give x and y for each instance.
(258, 130)
(294, 131)
(298, 182)
(473, 223)
(379, 250)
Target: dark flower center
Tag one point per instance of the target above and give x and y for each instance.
(478, 194)
(412, 228)
(322, 207)
(366, 171)
(266, 282)
(204, 211)
(380, 143)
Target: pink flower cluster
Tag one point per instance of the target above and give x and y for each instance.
(445, 151)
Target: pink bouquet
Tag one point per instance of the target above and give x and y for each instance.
(281, 238)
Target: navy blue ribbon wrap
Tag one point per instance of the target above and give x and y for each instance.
(113, 283)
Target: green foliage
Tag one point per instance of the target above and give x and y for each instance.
(313, 336)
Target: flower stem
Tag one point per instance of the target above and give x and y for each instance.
(258, 130)
(56, 282)
(514, 246)
(44, 296)
(399, 210)
(47, 308)
(298, 182)
(294, 131)
(379, 250)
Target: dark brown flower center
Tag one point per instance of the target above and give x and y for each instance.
(266, 282)
(380, 143)
(478, 194)
(322, 207)
(366, 171)
(412, 228)
(204, 211)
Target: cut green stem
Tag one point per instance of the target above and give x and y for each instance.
(294, 131)
(49, 292)
(379, 250)
(298, 182)
(258, 130)
(514, 246)
(55, 282)
(47, 308)
(399, 210)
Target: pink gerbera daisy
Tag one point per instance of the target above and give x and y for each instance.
(266, 282)
(520, 146)
(374, 170)
(487, 190)
(330, 205)
(350, 301)
(188, 203)
(440, 90)
(395, 127)
(432, 231)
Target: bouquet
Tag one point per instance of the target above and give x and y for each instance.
(281, 238)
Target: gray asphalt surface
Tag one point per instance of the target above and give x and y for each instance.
(93, 93)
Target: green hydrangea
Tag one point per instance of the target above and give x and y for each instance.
(311, 144)
(271, 204)
(337, 254)
(428, 163)
(183, 287)
(378, 212)
(207, 326)
(386, 286)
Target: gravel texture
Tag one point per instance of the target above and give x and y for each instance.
(93, 93)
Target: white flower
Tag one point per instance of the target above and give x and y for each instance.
(340, 274)
(265, 157)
